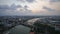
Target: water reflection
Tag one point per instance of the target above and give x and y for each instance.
(19, 30)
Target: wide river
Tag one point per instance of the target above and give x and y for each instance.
(20, 29)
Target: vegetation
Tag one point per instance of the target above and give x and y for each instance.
(44, 29)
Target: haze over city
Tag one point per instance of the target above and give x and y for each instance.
(29, 16)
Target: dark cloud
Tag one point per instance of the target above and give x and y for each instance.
(54, 0)
(4, 7)
(11, 10)
(51, 0)
(12, 7)
(26, 7)
(21, 0)
(19, 6)
(30, 1)
(49, 9)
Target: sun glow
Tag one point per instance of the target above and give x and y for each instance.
(37, 6)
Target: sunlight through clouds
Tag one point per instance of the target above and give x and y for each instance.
(31, 7)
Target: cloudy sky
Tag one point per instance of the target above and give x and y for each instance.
(29, 7)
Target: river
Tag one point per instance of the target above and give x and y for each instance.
(20, 29)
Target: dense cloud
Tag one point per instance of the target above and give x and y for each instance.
(29, 7)
(30, 1)
(21, 0)
(5, 7)
(51, 0)
(14, 10)
(54, 0)
(12, 7)
(48, 9)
